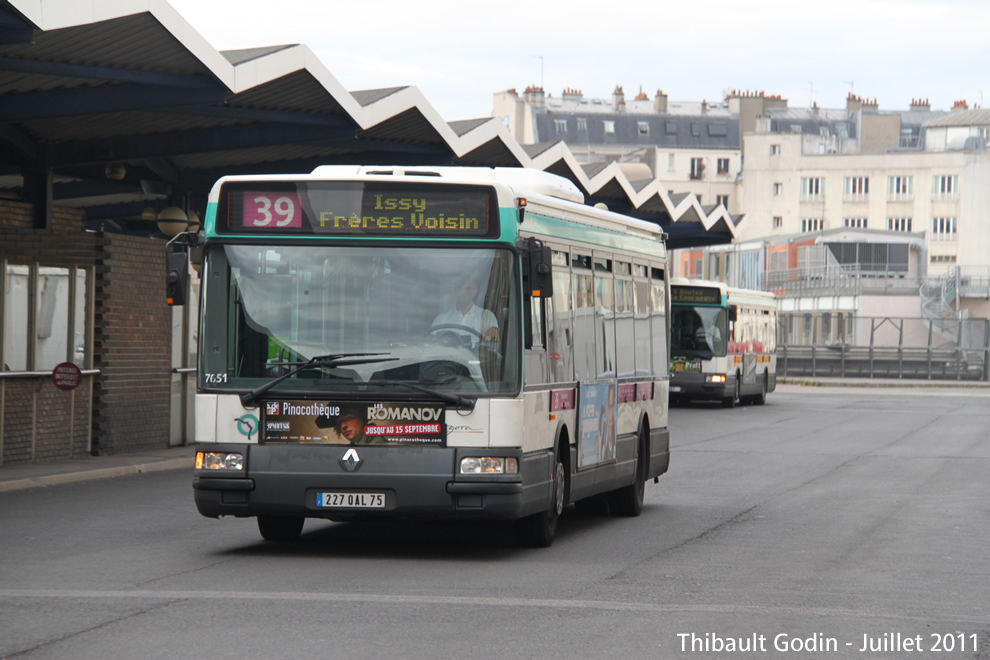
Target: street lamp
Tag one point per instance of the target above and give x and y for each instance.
(172, 221)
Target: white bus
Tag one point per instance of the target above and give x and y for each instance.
(723, 342)
(460, 343)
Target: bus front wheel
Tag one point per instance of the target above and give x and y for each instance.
(730, 401)
(538, 530)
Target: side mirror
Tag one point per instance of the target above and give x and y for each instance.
(176, 278)
(732, 313)
(540, 271)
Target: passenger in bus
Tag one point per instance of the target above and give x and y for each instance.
(467, 314)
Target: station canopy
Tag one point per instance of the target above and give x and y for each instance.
(121, 109)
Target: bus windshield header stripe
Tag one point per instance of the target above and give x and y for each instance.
(696, 295)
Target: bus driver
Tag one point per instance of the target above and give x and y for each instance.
(466, 313)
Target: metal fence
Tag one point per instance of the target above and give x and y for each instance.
(820, 345)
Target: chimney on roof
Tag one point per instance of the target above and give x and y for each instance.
(814, 109)
(920, 104)
(854, 103)
(572, 94)
(618, 99)
(535, 96)
(704, 106)
(959, 106)
(660, 102)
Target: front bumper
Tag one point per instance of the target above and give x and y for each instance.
(417, 482)
(691, 385)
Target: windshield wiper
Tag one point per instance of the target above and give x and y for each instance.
(319, 361)
(456, 400)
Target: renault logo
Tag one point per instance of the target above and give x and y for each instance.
(350, 460)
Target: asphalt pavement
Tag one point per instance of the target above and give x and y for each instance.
(39, 475)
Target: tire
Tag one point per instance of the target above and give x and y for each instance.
(730, 402)
(280, 528)
(628, 500)
(761, 398)
(538, 530)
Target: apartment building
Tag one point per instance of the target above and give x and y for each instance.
(854, 211)
(925, 181)
(690, 147)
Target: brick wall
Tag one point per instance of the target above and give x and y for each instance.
(130, 400)
(133, 346)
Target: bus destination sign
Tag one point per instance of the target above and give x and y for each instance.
(695, 295)
(361, 209)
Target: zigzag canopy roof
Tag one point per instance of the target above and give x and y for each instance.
(84, 86)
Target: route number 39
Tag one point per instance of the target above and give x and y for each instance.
(272, 211)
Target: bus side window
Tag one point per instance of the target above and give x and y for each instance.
(661, 356)
(560, 337)
(641, 325)
(536, 326)
(584, 325)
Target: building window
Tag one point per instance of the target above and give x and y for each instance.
(560, 126)
(644, 127)
(44, 315)
(943, 259)
(899, 224)
(774, 149)
(723, 166)
(697, 268)
(582, 123)
(723, 200)
(900, 188)
(713, 266)
(778, 260)
(859, 223)
(778, 222)
(609, 126)
(778, 189)
(697, 168)
(945, 187)
(812, 225)
(856, 189)
(943, 229)
(811, 188)
(670, 162)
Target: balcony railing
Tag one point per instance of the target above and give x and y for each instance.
(882, 348)
(836, 279)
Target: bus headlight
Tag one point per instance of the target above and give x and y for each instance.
(715, 378)
(489, 465)
(219, 460)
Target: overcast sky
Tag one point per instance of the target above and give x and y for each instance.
(460, 52)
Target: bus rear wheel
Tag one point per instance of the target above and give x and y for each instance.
(628, 500)
(538, 530)
(280, 528)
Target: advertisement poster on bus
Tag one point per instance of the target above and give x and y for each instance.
(354, 423)
(596, 403)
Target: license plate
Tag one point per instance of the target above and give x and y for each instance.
(351, 500)
(675, 388)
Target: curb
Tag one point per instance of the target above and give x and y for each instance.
(942, 384)
(98, 473)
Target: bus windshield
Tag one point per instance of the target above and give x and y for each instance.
(445, 319)
(698, 331)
